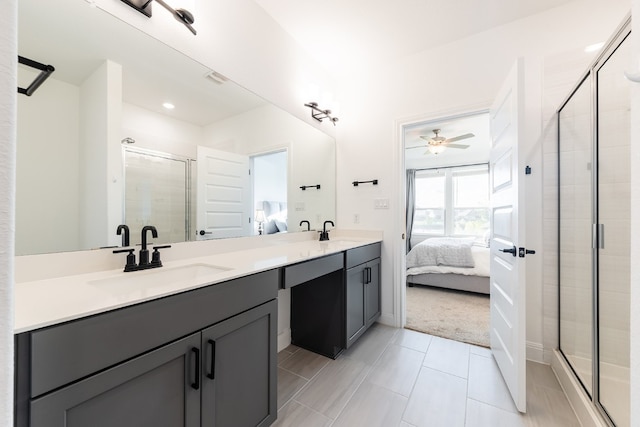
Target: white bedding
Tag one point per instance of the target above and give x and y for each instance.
(480, 258)
(440, 251)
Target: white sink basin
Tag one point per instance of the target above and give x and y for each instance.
(159, 277)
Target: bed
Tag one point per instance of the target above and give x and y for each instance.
(276, 216)
(452, 263)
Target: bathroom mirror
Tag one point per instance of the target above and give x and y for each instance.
(107, 90)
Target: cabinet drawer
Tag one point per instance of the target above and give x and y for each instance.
(362, 254)
(309, 270)
(65, 353)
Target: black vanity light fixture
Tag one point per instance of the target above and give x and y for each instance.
(182, 15)
(373, 181)
(320, 114)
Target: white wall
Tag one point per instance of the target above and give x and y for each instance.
(311, 157)
(635, 223)
(461, 76)
(49, 142)
(8, 114)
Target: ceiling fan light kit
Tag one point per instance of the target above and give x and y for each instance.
(438, 144)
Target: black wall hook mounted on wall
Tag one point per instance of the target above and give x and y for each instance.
(304, 187)
(373, 181)
(46, 71)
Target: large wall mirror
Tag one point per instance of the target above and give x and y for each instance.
(96, 147)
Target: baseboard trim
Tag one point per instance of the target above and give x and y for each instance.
(535, 352)
(580, 403)
(284, 339)
(388, 319)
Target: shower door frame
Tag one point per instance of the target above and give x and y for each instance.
(590, 76)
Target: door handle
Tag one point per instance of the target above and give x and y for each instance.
(212, 367)
(522, 252)
(511, 251)
(196, 384)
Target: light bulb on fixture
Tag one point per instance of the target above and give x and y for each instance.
(436, 149)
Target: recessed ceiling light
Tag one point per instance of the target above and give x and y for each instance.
(594, 47)
(168, 105)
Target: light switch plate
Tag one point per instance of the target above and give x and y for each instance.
(381, 204)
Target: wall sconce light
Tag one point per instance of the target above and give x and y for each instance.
(182, 15)
(320, 114)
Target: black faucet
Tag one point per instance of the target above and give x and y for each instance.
(144, 253)
(308, 224)
(125, 236)
(324, 234)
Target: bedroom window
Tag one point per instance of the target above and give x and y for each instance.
(429, 213)
(470, 200)
(452, 201)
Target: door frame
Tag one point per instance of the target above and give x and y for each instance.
(400, 184)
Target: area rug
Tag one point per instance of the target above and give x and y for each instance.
(457, 315)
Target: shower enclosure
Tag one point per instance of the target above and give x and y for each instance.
(594, 226)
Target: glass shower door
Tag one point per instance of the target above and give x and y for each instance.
(576, 219)
(614, 195)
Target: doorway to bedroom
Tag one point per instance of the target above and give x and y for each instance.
(448, 230)
(269, 183)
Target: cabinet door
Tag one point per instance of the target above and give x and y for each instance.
(239, 369)
(372, 292)
(356, 321)
(155, 389)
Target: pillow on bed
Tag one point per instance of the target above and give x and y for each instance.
(270, 227)
(454, 252)
(282, 226)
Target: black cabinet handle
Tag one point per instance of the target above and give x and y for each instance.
(196, 384)
(364, 275)
(212, 368)
(368, 274)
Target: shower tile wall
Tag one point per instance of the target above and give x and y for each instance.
(560, 74)
(614, 193)
(155, 194)
(576, 217)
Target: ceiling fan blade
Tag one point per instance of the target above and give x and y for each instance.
(457, 146)
(460, 137)
(426, 138)
(417, 146)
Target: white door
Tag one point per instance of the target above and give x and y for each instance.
(508, 225)
(224, 195)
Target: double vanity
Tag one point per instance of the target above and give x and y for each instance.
(193, 343)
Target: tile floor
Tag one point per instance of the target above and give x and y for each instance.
(397, 377)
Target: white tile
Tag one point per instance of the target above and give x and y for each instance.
(372, 406)
(486, 384)
(438, 399)
(397, 369)
(413, 340)
(483, 415)
(295, 415)
(329, 393)
(448, 356)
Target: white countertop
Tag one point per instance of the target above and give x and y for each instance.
(46, 302)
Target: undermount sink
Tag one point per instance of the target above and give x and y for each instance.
(161, 276)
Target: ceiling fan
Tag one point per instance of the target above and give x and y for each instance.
(437, 144)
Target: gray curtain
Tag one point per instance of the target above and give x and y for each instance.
(411, 202)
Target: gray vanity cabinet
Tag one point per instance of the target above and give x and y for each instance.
(204, 357)
(156, 389)
(362, 290)
(239, 381)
